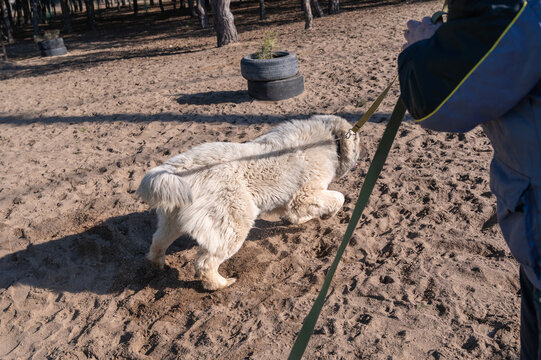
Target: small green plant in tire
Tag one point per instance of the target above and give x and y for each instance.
(267, 46)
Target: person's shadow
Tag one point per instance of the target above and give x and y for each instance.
(107, 258)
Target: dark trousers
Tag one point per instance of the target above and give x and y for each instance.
(530, 320)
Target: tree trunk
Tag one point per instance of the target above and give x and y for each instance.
(319, 12)
(224, 23)
(27, 12)
(8, 30)
(19, 11)
(135, 8)
(175, 4)
(9, 12)
(49, 11)
(90, 16)
(262, 13)
(202, 12)
(161, 6)
(307, 15)
(4, 52)
(193, 13)
(35, 21)
(151, 2)
(42, 7)
(334, 6)
(66, 16)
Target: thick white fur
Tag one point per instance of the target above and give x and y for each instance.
(215, 191)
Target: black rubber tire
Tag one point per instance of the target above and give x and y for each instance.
(284, 66)
(53, 47)
(54, 52)
(51, 44)
(277, 89)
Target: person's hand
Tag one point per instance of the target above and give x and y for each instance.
(419, 30)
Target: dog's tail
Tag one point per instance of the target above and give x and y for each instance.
(162, 188)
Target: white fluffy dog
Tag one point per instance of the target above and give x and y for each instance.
(215, 191)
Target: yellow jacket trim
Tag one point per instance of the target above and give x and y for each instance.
(477, 65)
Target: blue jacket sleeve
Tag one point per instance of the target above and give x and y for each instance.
(474, 69)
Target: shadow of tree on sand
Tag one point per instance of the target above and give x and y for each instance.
(223, 97)
(241, 119)
(86, 61)
(107, 258)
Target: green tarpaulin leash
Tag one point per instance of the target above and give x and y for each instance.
(370, 181)
(371, 177)
(438, 15)
(372, 108)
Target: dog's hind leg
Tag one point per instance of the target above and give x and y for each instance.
(217, 246)
(206, 270)
(168, 231)
(308, 205)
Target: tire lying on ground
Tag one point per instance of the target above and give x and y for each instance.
(277, 89)
(52, 47)
(284, 65)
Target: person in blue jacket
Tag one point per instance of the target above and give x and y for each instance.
(483, 67)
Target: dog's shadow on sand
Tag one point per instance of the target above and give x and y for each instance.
(105, 259)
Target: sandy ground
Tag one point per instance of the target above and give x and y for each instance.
(426, 276)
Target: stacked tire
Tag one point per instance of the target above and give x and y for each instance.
(273, 79)
(53, 47)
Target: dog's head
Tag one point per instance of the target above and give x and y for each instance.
(349, 148)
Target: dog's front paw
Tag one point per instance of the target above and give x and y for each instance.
(216, 282)
(294, 219)
(327, 216)
(156, 260)
(334, 203)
